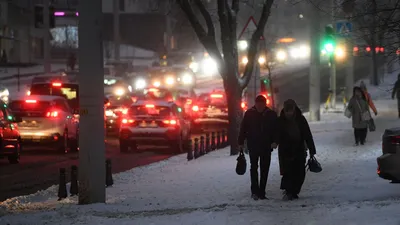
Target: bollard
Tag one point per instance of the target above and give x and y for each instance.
(189, 149)
(109, 179)
(73, 189)
(202, 146)
(223, 137)
(196, 148)
(207, 147)
(62, 186)
(213, 147)
(218, 140)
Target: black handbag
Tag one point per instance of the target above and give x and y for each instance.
(241, 164)
(371, 125)
(313, 165)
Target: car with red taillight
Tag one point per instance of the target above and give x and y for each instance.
(10, 139)
(115, 109)
(389, 161)
(154, 123)
(47, 121)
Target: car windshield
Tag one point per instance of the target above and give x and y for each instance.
(150, 110)
(68, 91)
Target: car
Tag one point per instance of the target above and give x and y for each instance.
(46, 120)
(116, 107)
(171, 77)
(389, 161)
(152, 122)
(10, 139)
(116, 86)
(210, 108)
(64, 86)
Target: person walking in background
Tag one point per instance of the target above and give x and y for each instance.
(368, 97)
(396, 92)
(294, 138)
(358, 106)
(258, 127)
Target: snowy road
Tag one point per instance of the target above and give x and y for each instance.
(207, 191)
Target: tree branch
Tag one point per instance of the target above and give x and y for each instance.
(266, 11)
(207, 17)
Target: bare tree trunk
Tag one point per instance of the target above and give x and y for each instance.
(375, 76)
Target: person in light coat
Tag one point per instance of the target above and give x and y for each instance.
(357, 106)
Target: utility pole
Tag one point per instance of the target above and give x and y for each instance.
(91, 125)
(116, 31)
(46, 37)
(350, 72)
(332, 62)
(315, 79)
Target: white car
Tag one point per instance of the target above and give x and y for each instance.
(46, 120)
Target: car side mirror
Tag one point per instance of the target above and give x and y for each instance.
(17, 119)
(276, 90)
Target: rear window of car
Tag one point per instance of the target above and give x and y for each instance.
(68, 91)
(150, 110)
(30, 108)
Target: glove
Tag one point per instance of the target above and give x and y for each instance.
(376, 113)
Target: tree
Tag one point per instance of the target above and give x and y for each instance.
(227, 57)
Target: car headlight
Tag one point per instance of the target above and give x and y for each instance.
(109, 113)
(169, 80)
(140, 84)
(119, 92)
(157, 83)
(187, 79)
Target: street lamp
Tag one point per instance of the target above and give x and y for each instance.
(261, 60)
(243, 45)
(245, 60)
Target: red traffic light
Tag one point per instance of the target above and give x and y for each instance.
(355, 49)
(368, 49)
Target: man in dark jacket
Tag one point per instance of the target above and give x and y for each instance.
(294, 139)
(258, 128)
(396, 92)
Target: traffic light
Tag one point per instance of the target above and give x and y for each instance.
(39, 13)
(329, 42)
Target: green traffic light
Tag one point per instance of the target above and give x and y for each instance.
(329, 47)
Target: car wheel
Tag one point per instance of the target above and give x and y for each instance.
(63, 143)
(176, 146)
(14, 159)
(123, 146)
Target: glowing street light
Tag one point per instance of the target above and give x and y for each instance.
(245, 60)
(340, 53)
(281, 55)
(243, 45)
(262, 60)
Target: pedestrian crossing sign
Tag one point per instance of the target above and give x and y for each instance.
(343, 28)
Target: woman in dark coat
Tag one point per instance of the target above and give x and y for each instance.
(294, 139)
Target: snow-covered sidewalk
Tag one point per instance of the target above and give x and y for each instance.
(208, 191)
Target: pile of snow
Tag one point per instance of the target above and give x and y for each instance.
(208, 191)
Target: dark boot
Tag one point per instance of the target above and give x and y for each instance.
(254, 197)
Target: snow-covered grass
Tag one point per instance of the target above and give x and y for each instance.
(208, 191)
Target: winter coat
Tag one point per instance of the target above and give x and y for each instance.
(396, 89)
(259, 129)
(357, 106)
(289, 149)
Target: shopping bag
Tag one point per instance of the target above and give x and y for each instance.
(347, 113)
(371, 125)
(241, 164)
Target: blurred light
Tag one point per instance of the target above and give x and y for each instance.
(340, 53)
(140, 84)
(156, 83)
(169, 80)
(323, 52)
(77, 14)
(243, 45)
(355, 49)
(286, 40)
(301, 16)
(382, 49)
(59, 13)
(368, 49)
(119, 91)
(130, 88)
(281, 55)
(294, 53)
(304, 51)
(262, 60)
(187, 79)
(209, 66)
(329, 47)
(194, 66)
(28, 93)
(245, 60)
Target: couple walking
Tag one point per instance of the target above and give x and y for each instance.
(264, 131)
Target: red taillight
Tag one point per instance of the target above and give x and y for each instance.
(149, 106)
(243, 105)
(127, 121)
(195, 108)
(355, 49)
(216, 96)
(189, 101)
(56, 84)
(170, 122)
(52, 114)
(268, 101)
(395, 139)
(30, 101)
(368, 49)
(108, 104)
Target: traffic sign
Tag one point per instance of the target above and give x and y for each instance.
(249, 29)
(343, 28)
